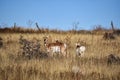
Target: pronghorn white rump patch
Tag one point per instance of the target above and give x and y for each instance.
(80, 50)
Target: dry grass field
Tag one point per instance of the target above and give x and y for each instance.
(92, 66)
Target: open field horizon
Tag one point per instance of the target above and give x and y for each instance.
(59, 39)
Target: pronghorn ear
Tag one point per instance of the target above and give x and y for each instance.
(56, 39)
(76, 44)
(45, 37)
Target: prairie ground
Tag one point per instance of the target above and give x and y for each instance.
(92, 66)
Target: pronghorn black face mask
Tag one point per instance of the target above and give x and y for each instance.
(45, 40)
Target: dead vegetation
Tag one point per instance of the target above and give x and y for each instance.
(108, 35)
(93, 66)
(31, 49)
(112, 59)
(1, 42)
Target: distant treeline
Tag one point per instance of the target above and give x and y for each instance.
(41, 30)
(98, 30)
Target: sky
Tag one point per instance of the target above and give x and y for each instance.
(60, 14)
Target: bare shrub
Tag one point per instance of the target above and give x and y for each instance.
(113, 59)
(31, 49)
(108, 36)
(1, 42)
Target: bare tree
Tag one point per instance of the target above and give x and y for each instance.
(14, 25)
(75, 25)
(37, 26)
(4, 25)
(112, 26)
(29, 23)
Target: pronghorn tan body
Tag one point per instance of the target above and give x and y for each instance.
(55, 47)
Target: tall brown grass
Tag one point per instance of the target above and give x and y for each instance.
(93, 66)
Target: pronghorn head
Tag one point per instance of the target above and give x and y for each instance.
(81, 42)
(47, 40)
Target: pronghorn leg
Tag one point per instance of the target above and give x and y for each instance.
(82, 54)
(59, 54)
(52, 54)
(79, 54)
(64, 54)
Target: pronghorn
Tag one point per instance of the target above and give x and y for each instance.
(80, 49)
(55, 47)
